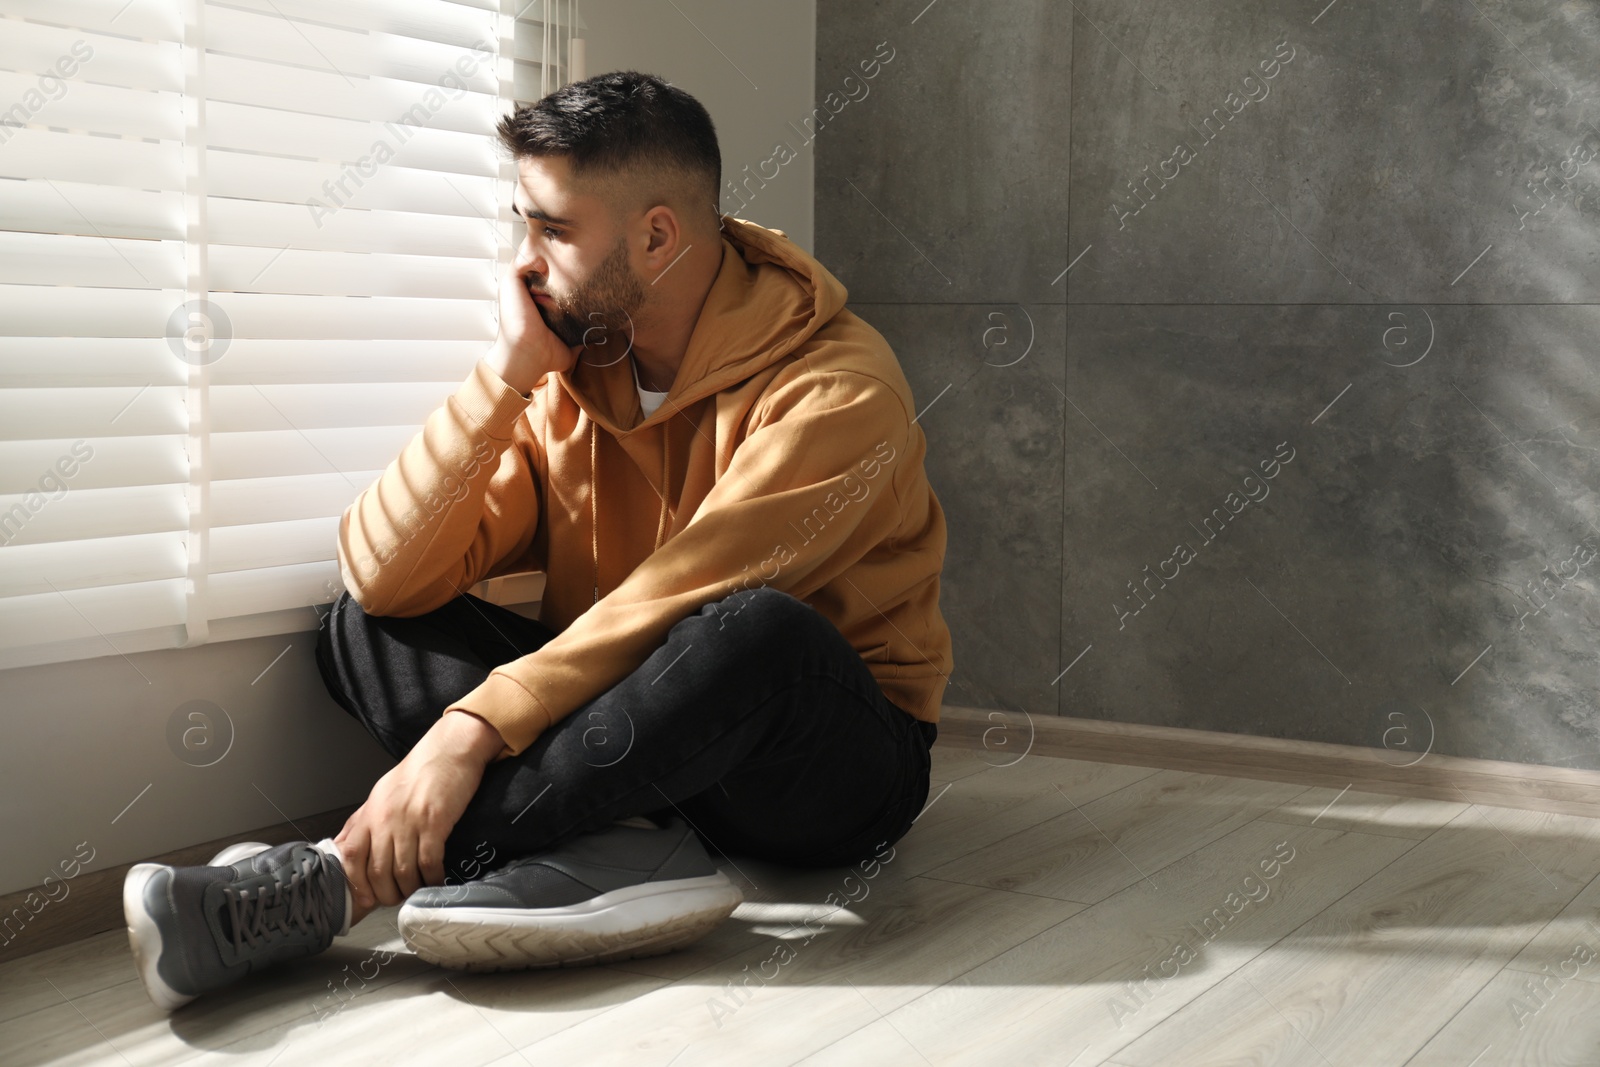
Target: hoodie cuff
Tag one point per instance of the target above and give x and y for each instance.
(504, 704)
(488, 401)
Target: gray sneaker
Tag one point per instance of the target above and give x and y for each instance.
(196, 929)
(633, 889)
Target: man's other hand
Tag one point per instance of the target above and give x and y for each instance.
(394, 843)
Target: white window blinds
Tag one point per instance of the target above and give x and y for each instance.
(245, 248)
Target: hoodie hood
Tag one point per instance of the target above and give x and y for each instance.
(768, 298)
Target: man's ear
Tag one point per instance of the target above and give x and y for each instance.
(665, 235)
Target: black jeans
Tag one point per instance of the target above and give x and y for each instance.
(755, 720)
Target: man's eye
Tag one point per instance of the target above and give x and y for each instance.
(552, 234)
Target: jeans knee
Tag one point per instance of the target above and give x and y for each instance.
(762, 608)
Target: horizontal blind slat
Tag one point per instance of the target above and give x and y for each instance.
(236, 268)
(287, 315)
(246, 127)
(88, 564)
(274, 544)
(70, 513)
(71, 259)
(240, 80)
(83, 105)
(269, 589)
(277, 453)
(249, 222)
(39, 206)
(96, 617)
(73, 362)
(389, 187)
(37, 49)
(79, 157)
(64, 310)
(103, 462)
(250, 501)
(152, 20)
(88, 411)
(249, 408)
(347, 53)
(426, 20)
(288, 361)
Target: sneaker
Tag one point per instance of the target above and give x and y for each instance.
(196, 929)
(234, 853)
(633, 889)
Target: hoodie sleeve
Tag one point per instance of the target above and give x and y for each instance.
(460, 498)
(810, 490)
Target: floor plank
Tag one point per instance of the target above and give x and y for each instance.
(469, 1019)
(1088, 851)
(1373, 977)
(42, 979)
(877, 1042)
(776, 898)
(1508, 1025)
(1370, 813)
(951, 763)
(119, 1021)
(1577, 925)
(983, 808)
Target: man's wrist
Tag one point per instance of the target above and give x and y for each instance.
(500, 360)
(472, 734)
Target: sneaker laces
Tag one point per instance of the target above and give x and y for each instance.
(309, 898)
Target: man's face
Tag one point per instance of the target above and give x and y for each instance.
(573, 252)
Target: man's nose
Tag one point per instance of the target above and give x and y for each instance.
(531, 262)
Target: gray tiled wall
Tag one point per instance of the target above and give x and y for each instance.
(1304, 443)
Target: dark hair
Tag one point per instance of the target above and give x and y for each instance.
(622, 121)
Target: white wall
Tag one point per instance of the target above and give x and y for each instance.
(82, 740)
(752, 63)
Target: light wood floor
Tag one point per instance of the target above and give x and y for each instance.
(1048, 912)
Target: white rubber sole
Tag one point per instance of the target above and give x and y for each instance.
(144, 937)
(640, 920)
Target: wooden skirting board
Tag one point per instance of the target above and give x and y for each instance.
(93, 903)
(1535, 787)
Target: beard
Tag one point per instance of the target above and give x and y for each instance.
(602, 304)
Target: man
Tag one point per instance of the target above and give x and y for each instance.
(718, 468)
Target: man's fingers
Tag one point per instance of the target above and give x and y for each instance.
(380, 869)
(430, 859)
(405, 865)
(353, 848)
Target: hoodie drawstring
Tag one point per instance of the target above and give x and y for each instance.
(666, 451)
(594, 506)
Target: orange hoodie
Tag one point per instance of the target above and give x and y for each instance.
(786, 454)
